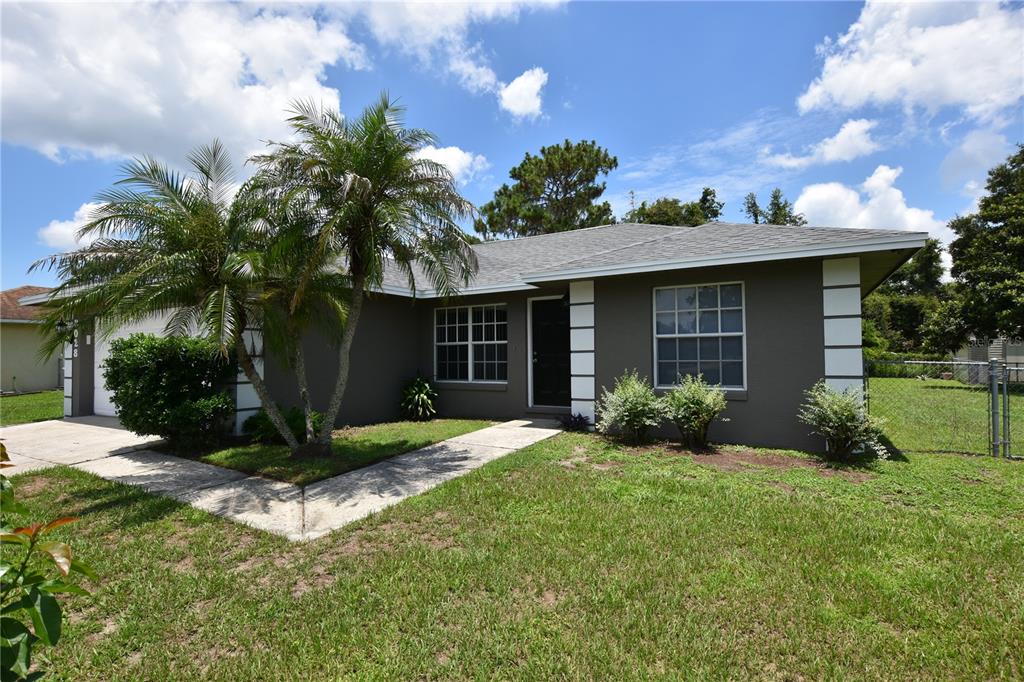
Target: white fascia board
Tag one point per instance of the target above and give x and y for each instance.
(916, 240)
(3, 321)
(471, 291)
(36, 299)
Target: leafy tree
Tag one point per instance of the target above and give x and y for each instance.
(166, 243)
(778, 212)
(369, 202)
(710, 206)
(898, 319)
(552, 192)
(988, 264)
(922, 274)
(752, 209)
(666, 211)
(669, 211)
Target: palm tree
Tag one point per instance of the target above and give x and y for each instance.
(165, 243)
(374, 204)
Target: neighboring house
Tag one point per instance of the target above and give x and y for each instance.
(548, 321)
(21, 368)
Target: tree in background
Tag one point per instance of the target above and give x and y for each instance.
(710, 206)
(988, 264)
(778, 212)
(669, 211)
(895, 314)
(752, 209)
(922, 274)
(555, 191)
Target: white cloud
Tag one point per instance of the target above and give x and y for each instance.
(852, 141)
(877, 203)
(62, 234)
(438, 34)
(924, 56)
(122, 79)
(464, 166)
(521, 97)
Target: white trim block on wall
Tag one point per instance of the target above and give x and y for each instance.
(581, 346)
(247, 403)
(844, 360)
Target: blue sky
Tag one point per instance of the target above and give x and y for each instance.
(866, 116)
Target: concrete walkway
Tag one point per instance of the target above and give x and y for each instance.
(98, 445)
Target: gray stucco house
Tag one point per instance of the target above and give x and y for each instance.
(763, 310)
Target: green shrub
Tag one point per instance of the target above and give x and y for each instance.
(262, 430)
(418, 400)
(843, 420)
(692, 406)
(29, 590)
(172, 387)
(631, 408)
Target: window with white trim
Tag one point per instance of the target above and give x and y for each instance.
(699, 330)
(471, 343)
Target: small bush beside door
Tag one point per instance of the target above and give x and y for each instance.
(172, 387)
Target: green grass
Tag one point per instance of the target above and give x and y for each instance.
(352, 448)
(935, 415)
(569, 559)
(31, 407)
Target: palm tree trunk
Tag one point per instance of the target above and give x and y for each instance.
(245, 361)
(300, 374)
(344, 350)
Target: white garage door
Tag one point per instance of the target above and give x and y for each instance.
(101, 396)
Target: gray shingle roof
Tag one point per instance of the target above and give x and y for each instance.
(515, 263)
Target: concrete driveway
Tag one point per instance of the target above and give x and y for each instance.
(68, 441)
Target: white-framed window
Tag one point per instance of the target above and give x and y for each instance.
(471, 343)
(699, 329)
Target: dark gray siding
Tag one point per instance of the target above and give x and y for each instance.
(785, 341)
(383, 360)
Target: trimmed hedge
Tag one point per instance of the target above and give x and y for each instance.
(172, 387)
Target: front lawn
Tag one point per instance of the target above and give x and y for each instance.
(935, 415)
(569, 559)
(31, 407)
(353, 447)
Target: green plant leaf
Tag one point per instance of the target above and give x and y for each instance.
(46, 616)
(59, 586)
(86, 570)
(15, 647)
(60, 552)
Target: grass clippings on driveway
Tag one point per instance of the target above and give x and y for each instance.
(620, 565)
(353, 447)
(31, 407)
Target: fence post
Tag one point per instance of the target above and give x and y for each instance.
(993, 385)
(1006, 411)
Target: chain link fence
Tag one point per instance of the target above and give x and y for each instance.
(946, 407)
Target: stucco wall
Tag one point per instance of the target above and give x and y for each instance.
(383, 359)
(784, 341)
(784, 351)
(19, 346)
(497, 401)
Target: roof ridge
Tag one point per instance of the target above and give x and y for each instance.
(579, 229)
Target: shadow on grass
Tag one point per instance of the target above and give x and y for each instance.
(139, 507)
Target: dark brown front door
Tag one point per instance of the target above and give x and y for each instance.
(550, 347)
